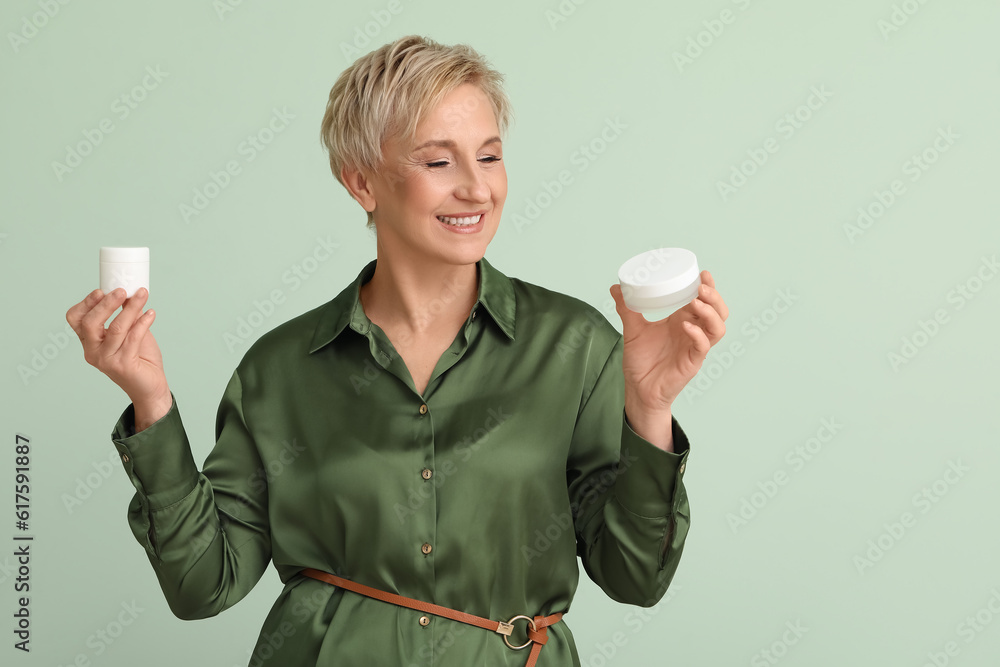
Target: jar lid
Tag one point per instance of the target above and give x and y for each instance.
(124, 254)
(658, 274)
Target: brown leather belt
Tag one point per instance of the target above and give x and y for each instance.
(537, 629)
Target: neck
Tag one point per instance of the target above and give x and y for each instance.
(419, 298)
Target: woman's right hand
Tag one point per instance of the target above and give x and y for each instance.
(126, 351)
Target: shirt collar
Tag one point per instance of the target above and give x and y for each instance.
(496, 294)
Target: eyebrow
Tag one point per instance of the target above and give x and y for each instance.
(448, 143)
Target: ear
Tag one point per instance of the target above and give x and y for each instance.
(360, 187)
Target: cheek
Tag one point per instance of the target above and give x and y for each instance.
(420, 192)
(500, 187)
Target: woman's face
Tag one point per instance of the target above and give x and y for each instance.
(451, 175)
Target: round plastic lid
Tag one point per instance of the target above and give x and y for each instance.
(124, 254)
(659, 279)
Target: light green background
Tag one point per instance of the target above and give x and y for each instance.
(825, 357)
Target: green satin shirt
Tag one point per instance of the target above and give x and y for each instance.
(478, 495)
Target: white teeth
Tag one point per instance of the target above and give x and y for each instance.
(460, 222)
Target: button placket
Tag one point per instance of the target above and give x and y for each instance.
(426, 528)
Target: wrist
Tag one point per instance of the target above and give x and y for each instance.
(149, 411)
(640, 411)
(654, 426)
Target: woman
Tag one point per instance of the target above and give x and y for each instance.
(437, 431)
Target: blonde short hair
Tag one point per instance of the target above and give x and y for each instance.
(384, 94)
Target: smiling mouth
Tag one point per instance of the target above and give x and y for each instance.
(461, 222)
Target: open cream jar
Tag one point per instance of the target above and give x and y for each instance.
(659, 279)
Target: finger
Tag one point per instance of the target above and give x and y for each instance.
(709, 320)
(712, 297)
(76, 312)
(630, 318)
(120, 326)
(92, 324)
(133, 341)
(701, 343)
(707, 279)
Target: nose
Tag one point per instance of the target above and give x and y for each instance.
(471, 184)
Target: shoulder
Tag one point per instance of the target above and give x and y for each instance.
(284, 344)
(541, 308)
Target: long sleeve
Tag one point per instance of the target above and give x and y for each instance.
(206, 534)
(630, 507)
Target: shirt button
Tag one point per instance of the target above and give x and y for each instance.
(423, 409)
(426, 473)
(426, 548)
(124, 458)
(424, 621)
(473, 314)
(682, 467)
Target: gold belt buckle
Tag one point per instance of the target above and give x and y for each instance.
(506, 628)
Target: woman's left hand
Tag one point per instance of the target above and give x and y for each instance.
(661, 357)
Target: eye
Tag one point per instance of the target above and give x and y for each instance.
(491, 158)
(439, 163)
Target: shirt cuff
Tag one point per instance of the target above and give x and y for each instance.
(157, 459)
(649, 476)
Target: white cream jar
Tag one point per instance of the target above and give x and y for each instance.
(124, 267)
(659, 279)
